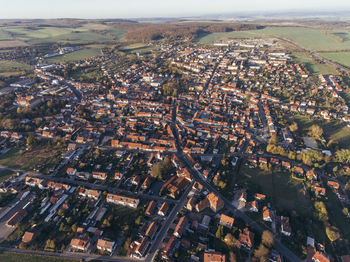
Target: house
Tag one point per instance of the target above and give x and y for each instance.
(16, 218)
(81, 243)
(118, 175)
(151, 230)
(105, 245)
(253, 206)
(29, 236)
(259, 196)
(333, 185)
(169, 249)
(135, 180)
(71, 171)
(285, 226)
(122, 200)
(163, 209)
(180, 227)
(299, 170)
(246, 238)
(267, 215)
(150, 208)
(286, 165)
(216, 203)
(146, 183)
(99, 175)
(203, 204)
(311, 175)
(320, 257)
(190, 203)
(214, 257)
(141, 248)
(226, 221)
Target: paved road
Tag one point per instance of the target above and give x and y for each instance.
(104, 188)
(170, 219)
(183, 158)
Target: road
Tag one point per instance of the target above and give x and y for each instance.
(183, 158)
(170, 219)
(103, 188)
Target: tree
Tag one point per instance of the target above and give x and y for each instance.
(267, 238)
(343, 156)
(293, 127)
(219, 232)
(316, 131)
(273, 140)
(332, 233)
(31, 140)
(261, 252)
(231, 241)
(232, 257)
(156, 171)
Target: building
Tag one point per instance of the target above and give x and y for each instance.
(214, 257)
(226, 221)
(81, 243)
(123, 200)
(246, 238)
(105, 245)
(180, 227)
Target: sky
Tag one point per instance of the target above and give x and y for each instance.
(155, 8)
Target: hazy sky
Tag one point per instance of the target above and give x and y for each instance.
(154, 8)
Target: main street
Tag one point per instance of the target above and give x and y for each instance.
(183, 158)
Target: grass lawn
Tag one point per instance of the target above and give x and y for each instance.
(15, 257)
(336, 216)
(310, 38)
(27, 160)
(5, 173)
(341, 57)
(285, 193)
(9, 68)
(313, 67)
(332, 129)
(137, 47)
(76, 55)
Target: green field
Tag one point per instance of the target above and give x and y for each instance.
(332, 129)
(84, 34)
(4, 35)
(9, 68)
(5, 173)
(341, 57)
(75, 56)
(285, 193)
(311, 65)
(27, 160)
(310, 38)
(16, 257)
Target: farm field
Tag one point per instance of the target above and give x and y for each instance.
(75, 56)
(310, 38)
(84, 34)
(313, 67)
(15, 257)
(137, 47)
(9, 68)
(341, 57)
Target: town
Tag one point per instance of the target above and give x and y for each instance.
(187, 152)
